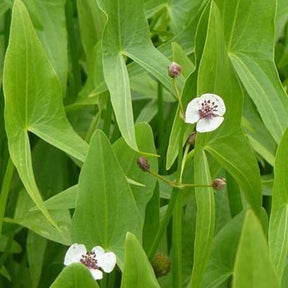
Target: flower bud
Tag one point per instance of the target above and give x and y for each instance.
(160, 264)
(219, 184)
(174, 70)
(191, 138)
(143, 164)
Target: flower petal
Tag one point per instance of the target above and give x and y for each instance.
(192, 114)
(98, 250)
(217, 100)
(74, 253)
(106, 261)
(97, 274)
(207, 125)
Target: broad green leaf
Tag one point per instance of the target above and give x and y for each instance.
(63, 200)
(128, 161)
(35, 221)
(53, 36)
(227, 144)
(33, 102)
(129, 36)
(91, 22)
(253, 267)
(223, 253)
(281, 17)
(152, 219)
(75, 275)
(15, 247)
(4, 6)
(258, 135)
(278, 227)
(137, 272)
(205, 218)
(188, 90)
(36, 247)
(105, 208)
(182, 59)
(249, 35)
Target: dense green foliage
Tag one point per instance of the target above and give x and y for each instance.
(85, 91)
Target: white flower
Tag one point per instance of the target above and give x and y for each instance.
(94, 260)
(207, 111)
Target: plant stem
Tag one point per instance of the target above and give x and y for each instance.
(174, 184)
(177, 221)
(182, 113)
(93, 126)
(73, 48)
(160, 126)
(107, 118)
(5, 190)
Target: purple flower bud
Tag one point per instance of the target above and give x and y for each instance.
(219, 184)
(174, 70)
(191, 138)
(143, 164)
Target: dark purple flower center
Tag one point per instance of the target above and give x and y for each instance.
(208, 109)
(89, 259)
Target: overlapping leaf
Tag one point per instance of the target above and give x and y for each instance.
(105, 208)
(128, 36)
(278, 228)
(33, 101)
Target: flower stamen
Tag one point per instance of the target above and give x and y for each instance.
(89, 260)
(208, 109)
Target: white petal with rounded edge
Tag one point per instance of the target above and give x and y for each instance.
(106, 261)
(74, 253)
(208, 125)
(217, 100)
(97, 274)
(98, 250)
(192, 114)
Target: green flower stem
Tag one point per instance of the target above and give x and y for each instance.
(177, 221)
(73, 48)
(182, 113)
(93, 126)
(174, 184)
(107, 118)
(160, 127)
(5, 190)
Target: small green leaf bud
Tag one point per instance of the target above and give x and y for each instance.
(161, 264)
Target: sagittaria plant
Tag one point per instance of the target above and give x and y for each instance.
(115, 172)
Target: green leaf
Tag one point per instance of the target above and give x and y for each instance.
(258, 135)
(205, 218)
(227, 144)
(33, 102)
(105, 208)
(249, 35)
(91, 22)
(137, 271)
(182, 59)
(129, 36)
(253, 267)
(36, 247)
(128, 161)
(4, 6)
(75, 275)
(53, 36)
(35, 221)
(223, 253)
(278, 227)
